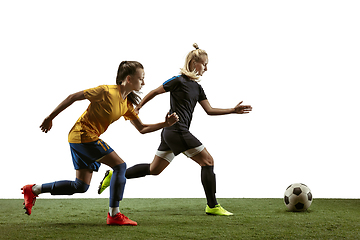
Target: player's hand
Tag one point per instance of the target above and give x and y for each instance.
(136, 110)
(46, 125)
(241, 109)
(171, 119)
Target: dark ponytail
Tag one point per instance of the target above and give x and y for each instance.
(128, 68)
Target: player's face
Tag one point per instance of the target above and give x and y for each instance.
(201, 65)
(137, 80)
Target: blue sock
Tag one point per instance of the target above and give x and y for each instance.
(117, 185)
(65, 187)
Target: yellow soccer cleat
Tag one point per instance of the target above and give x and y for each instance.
(217, 210)
(105, 182)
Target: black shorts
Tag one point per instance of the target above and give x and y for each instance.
(177, 141)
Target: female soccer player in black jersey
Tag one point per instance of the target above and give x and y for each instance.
(185, 93)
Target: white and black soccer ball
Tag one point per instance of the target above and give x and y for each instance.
(298, 197)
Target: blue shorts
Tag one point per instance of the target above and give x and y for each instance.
(85, 155)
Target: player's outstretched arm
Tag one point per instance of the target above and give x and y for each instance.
(146, 128)
(47, 123)
(239, 109)
(149, 96)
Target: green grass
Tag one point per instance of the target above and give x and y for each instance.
(180, 219)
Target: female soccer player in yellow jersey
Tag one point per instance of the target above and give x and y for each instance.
(107, 104)
(185, 93)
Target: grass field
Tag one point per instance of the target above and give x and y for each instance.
(180, 219)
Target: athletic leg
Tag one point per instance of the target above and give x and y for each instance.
(158, 165)
(205, 160)
(208, 180)
(141, 170)
(136, 171)
(117, 186)
(65, 187)
(80, 185)
(118, 180)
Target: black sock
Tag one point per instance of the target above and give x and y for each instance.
(209, 183)
(138, 170)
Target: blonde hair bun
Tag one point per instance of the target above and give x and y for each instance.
(195, 46)
(193, 55)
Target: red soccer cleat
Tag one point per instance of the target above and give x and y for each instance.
(119, 219)
(29, 198)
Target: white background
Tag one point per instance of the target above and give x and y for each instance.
(295, 62)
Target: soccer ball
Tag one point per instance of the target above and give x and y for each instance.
(298, 197)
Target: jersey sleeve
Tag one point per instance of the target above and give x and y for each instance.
(95, 94)
(130, 114)
(171, 84)
(202, 95)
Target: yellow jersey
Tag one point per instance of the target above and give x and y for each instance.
(106, 106)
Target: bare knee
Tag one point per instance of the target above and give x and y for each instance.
(155, 170)
(205, 161)
(155, 173)
(208, 161)
(158, 165)
(204, 158)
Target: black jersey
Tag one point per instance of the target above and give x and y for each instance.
(184, 94)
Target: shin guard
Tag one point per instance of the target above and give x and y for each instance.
(117, 185)
(65, 187)
(139, 170)
(209, 183)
